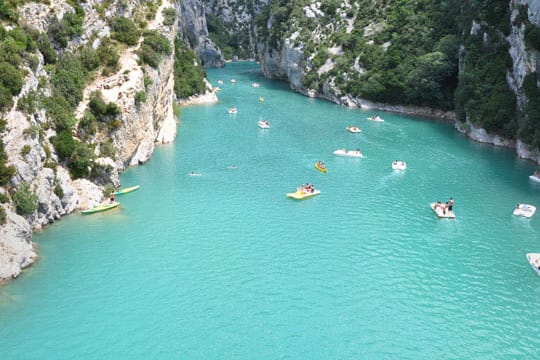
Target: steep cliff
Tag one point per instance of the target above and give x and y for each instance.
(124, 109)
(475, 62)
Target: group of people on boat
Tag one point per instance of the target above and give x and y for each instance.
(321, 164)
(307, 188)
(446, 207)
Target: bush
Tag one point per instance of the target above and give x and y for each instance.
(58, 190)
(44, 46)
(81, 160)
(60, 112)
(3, 216)
(153, 47)
(3, 198)
(106, 149)
(11, 79)
(169, 16)
(125, 31)
(64, 144)
(26, 202)
(26, 150)
(68, 79)
(102, 111)
(532, 36)
(140, 97)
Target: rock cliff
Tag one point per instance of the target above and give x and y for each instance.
(140, 124)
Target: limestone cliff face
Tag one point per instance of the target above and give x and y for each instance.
(194, 31)
(142, 125)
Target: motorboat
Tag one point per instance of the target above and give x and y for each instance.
(233, 110)
(220, 82)
(399, 165)
(349, 153)
(535, 177)
(441, 211)
(233, 81)
(525, 210)
(264, 124)
(534, 260)
(303, 193)
(376, 118)
(255, 84)
(319, 165)
(353, 129)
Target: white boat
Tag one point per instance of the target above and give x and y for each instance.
(264, 124)
(376, 118)
(524, 210)
(255, 84)
(349, 153)
(233, 81)
(233, 110)
(220, 82)
(399, 165)
(535, 177)
(353, 129)
(441, 211)
(534, 260)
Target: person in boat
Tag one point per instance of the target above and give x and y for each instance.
(536, 173)
(450, 203)
(438, 205)
(111, 197)
(358, 151)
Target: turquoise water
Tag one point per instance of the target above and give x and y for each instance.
(224, 266)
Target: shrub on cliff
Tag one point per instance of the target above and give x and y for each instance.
(6, 171)
(532, 36)
(188, 72)
(10, 79)
(26, 202)
(125, 31)
(3, 216)
(169, 16)
(153, 48)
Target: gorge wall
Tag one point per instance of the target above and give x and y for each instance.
(143, 95)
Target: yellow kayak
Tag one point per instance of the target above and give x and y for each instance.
(318, 167)
(301, 195)
(100, 208)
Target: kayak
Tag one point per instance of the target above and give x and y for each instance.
(321, 169)
(100, 208)
(300, 194)
(127, 190)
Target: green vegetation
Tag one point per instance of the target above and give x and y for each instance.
(125, 31)
(169, 16)
(188, 77)
(3, 216)
(6, 171)
(140, 97)
(61, 31)
(26, 202)
(153, 48)
(532, 36)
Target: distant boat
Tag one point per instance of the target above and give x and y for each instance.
(399, 165)
(535, 177)
(376, 118)
(261, 99)
(441, 212)
(220, 82)
(127, 190)
(348, 153)
(353, 129)
(301, 194)
(255, 84)
(264, 124)
(233, 81)
(319, 165)
(525, 210)
(100, 208)
(233, 110)
(534, 260)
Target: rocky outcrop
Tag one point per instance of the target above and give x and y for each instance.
(195, 33)
(142, 125)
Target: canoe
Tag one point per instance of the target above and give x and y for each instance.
(534, 260)
(100, 208)
(441, 214)
(301, 195)
(321, 169)
(127, 190)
